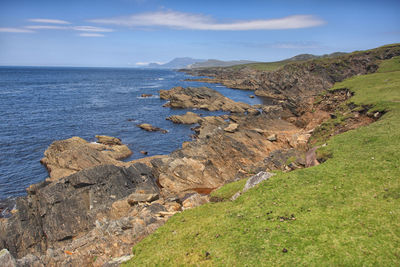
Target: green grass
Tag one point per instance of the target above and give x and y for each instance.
(344, 212)
(263, 66)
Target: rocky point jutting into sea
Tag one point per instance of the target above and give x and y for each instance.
(94, 206)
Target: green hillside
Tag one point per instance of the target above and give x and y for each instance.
(343, 212)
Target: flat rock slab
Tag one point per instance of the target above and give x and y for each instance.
(188, 118)
(151, 128)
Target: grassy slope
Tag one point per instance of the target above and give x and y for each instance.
(347, 210)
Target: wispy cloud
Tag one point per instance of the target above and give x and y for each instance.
(75, 28)
(47, 27)
(91, 35)
(184, 21)
(50, 21)
(16, 30)
(91, 29)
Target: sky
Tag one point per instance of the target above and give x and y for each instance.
(132, 33)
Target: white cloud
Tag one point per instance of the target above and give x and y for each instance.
(91, 29)
(47, 27)
(16, 30)
(142, 63)
(75, 28)
(91, 35)
(180, 20)
(50, 21)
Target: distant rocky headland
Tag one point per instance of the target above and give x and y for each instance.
(94, 207)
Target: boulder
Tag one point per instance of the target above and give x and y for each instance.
(6, 259)
(188, 118)
(151, 128)
(66, 157)
(231, 128)
(194, 200)
(135, 198)
(272, 138)
(253, 181)
(256, 179)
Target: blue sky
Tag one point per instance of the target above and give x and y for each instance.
(128, 33)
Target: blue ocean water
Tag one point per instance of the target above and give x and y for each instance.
(39, 105)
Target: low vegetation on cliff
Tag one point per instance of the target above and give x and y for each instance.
(342, 212)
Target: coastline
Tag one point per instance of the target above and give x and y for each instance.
(218, 155)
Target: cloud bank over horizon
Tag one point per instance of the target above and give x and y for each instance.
(187, 21)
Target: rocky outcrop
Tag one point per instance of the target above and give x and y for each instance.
(203, 98)
(69, 156)
(99, 211)
(297, 82)
(188, 118)
(151, 128)
(216, 156)
(82, 214)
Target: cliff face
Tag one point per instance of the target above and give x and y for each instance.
(298, 81)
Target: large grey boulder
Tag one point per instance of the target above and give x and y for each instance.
(252, 182)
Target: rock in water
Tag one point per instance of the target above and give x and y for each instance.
(201, 97)
(146, 95)
(151, 128)
(108, 140)
(66, 157)
(188, 118)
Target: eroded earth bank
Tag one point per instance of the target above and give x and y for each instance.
(94, 207)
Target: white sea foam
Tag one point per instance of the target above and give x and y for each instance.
(153, 96)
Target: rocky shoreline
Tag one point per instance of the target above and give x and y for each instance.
(95, 207)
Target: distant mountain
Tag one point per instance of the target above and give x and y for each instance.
(176, 63)
(188, 63)
(218, 63)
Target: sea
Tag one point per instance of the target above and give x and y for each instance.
(39, 105)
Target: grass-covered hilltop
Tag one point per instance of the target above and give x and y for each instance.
(343, 212)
